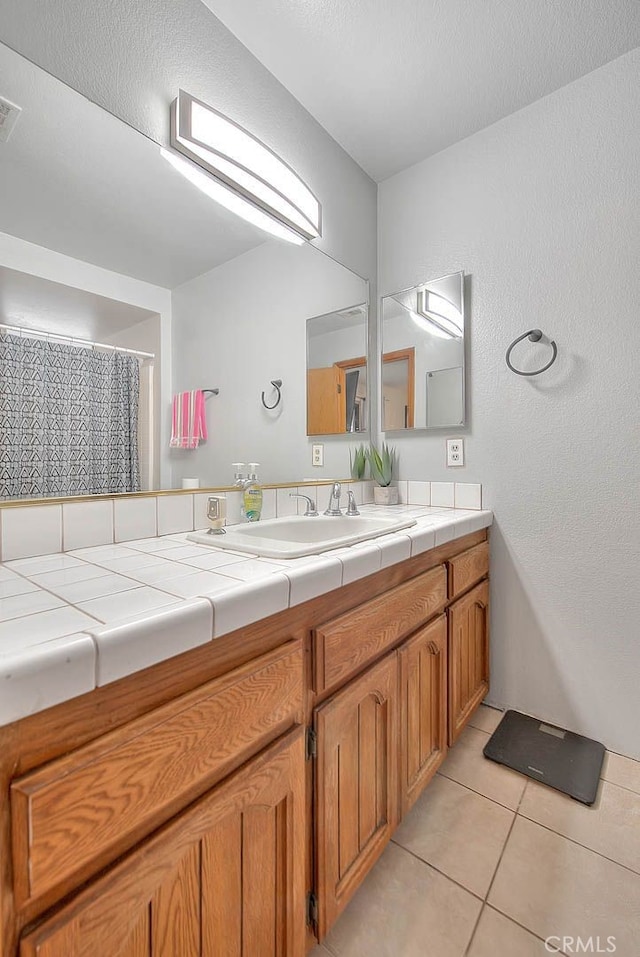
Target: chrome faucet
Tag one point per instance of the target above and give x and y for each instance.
(352, 508)
(333, 508)
(311, 510)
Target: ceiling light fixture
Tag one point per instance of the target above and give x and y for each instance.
(438, 315)
(238, 171)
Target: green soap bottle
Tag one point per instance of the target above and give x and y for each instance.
(252, 497)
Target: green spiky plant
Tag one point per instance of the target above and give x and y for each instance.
(382, 464)
(358, 461)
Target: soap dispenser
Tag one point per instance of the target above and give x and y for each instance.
(252, 497)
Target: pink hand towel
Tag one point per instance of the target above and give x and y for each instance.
(188, 420)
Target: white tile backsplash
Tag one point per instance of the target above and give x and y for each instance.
(31, 531)
(419, 493)
(33, 679)
(134, 518)
(468, 495)
(285, 505)
(175, 514)
(86, 524)
(442, 494)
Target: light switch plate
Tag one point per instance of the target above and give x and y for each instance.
(317, 454)
(455, 453)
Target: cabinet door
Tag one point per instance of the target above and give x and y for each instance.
(224, 879)
(357, 784)
(423, 709)
(468, 656)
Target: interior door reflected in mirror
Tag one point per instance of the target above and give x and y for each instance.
(337, 372)
(423, 370)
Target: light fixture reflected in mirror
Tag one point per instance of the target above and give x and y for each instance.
(437, 315)
(238, 171)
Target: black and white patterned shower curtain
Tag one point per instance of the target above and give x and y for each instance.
(68, 419)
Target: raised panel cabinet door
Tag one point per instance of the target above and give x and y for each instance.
(224, 879)
(356, 784)
(468, 656)
(423, 709)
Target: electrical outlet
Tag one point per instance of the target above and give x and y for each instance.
(455, 453)
(317, 454)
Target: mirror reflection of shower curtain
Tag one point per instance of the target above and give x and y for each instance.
(351, 391)
(69, 419)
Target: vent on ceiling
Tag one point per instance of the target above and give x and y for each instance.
(9, 114)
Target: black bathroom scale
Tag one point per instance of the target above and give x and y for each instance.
(565, 761)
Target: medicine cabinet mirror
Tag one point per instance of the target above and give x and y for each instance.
(422, 356)
(337, 400)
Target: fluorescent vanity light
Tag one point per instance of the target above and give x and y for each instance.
(437, 315)
(237, 170)
(229, 200)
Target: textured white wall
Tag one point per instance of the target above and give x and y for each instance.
(543, 211)
(132, 58)
(239, 326)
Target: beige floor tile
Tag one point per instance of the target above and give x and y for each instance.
(486, 718)
(467, 765)
(457, 831)
(621, 771)
(319, 951)
(497, 936)
(405, 909)
(555, 887)
(610, 827)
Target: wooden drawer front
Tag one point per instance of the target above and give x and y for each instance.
(76, 814)
(346, 644)
(468, 568)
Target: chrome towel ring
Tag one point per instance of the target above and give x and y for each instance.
(277, 385)
(535, 335)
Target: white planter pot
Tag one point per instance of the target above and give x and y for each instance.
(385, 494)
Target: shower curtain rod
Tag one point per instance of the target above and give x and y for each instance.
(76, 341)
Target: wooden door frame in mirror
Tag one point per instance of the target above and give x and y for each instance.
(410, 356)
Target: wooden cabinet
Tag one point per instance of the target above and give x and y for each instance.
(423, 709)
(468, 656)
(173, 813)
(357, 784)
(224, 879)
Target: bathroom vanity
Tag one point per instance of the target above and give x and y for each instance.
(230, 800)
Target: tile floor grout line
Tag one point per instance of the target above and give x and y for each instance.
(504, 846)
(499, 803)
(572, 840)
(437, 870)
(475, 928)
(523, 927)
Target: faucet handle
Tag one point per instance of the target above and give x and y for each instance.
(352, 508)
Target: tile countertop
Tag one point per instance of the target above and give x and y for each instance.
(74, 621)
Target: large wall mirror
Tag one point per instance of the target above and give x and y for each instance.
(119, 278)
(337, 372)
(422, 356)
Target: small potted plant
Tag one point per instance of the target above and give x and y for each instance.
(358, 461)
(382, 465)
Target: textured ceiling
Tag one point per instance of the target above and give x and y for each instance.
(78, 180)
(394, 81)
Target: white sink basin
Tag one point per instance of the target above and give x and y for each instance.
(297, 536)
